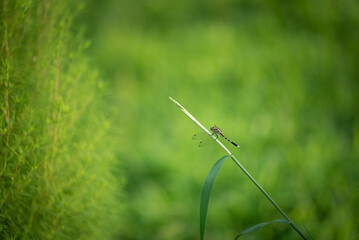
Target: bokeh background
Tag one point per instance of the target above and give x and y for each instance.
(279, 77)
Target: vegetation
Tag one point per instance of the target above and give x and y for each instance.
(279, 79)
(56, 176)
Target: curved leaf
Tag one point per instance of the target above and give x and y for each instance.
(260, 225)
(206, 192)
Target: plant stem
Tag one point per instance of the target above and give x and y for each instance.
(268, 197)
(200, 125)
(291, 223)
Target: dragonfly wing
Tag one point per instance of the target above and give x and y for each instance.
(206, 142)
(200, 136)
(204, 138)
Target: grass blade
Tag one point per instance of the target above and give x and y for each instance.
(206, 192)
(309, 234)
(260, 225)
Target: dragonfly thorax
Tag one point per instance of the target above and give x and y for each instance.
(216, 129)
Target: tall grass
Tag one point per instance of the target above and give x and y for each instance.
(57, 155)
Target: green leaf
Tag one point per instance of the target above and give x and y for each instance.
(260, 225)
(206, 192)
(309, 234)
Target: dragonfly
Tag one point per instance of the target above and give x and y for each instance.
(216, 131)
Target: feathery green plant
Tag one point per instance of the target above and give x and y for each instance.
(55, 155)
(207, 186)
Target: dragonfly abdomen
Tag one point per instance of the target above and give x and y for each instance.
(229, 140)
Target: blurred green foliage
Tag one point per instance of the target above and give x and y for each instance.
(279, 77)
(57, 156)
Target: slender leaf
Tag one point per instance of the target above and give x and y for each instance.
(206, 192)
(260, 225)
(309, 234)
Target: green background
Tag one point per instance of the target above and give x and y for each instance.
(279, 77)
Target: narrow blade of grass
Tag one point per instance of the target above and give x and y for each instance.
(206, 192)
(260, 225)
(309, 234)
